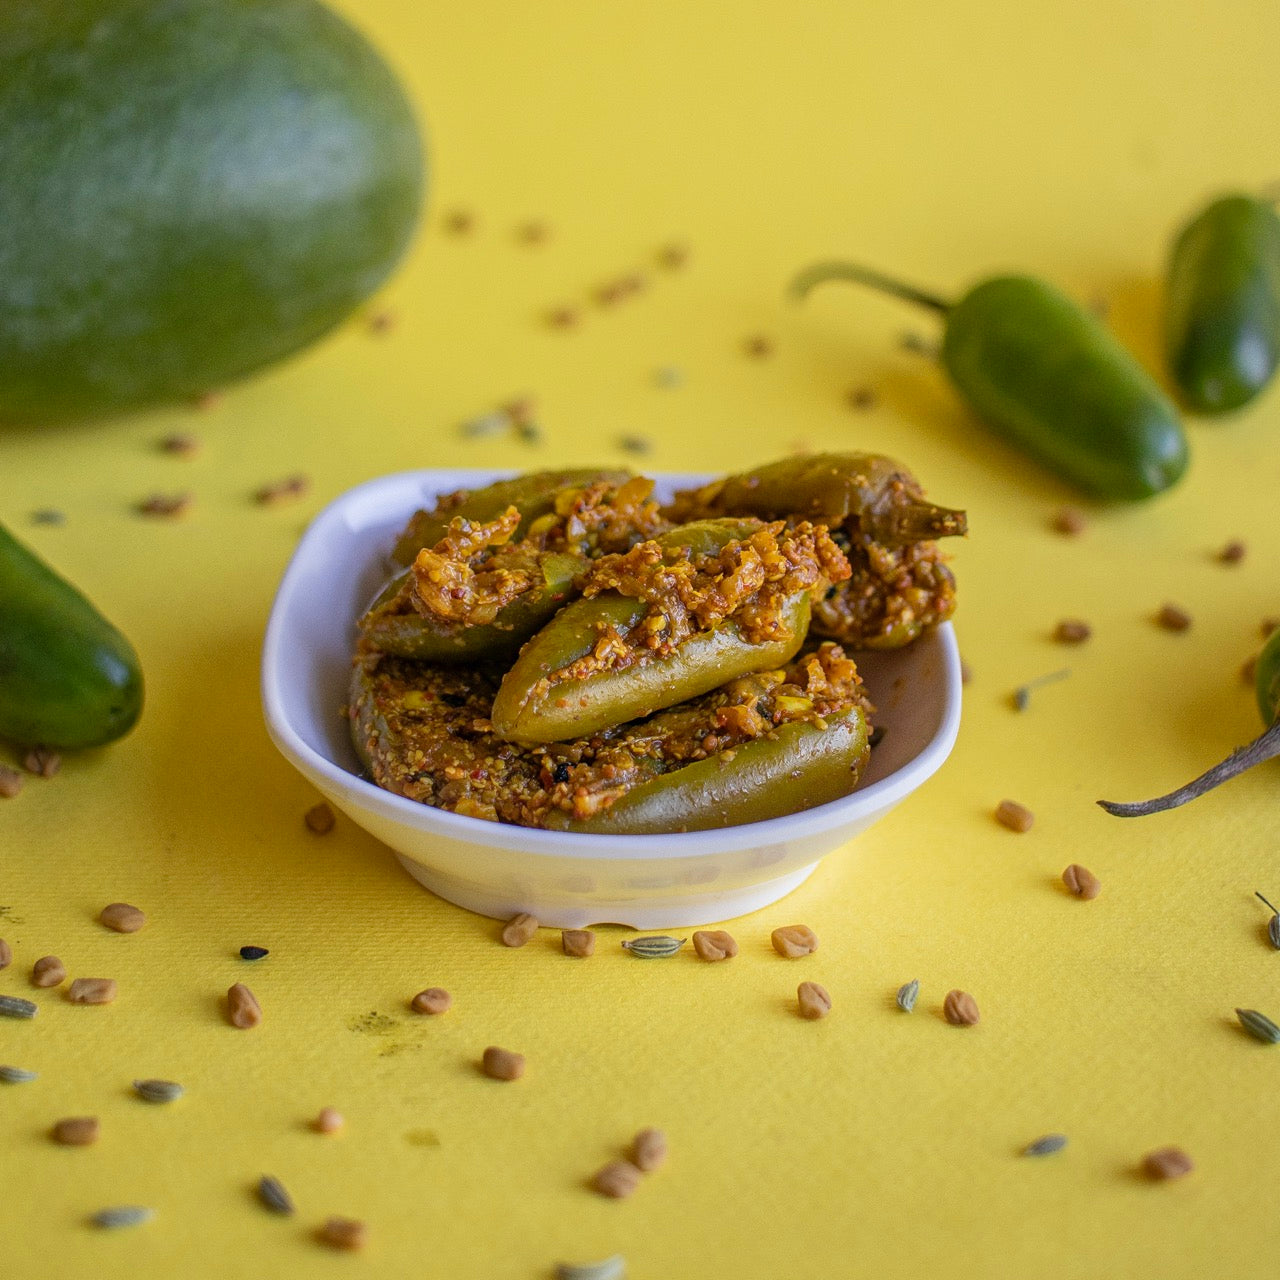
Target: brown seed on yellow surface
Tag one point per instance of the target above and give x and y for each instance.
(1070, 521)
(578, 942)
(1233, 552)
(649, 1150)
(1249, 670)
(6, 954)
(519, 929)
(532, 233)
(673, 256)
(862, 398)
(758, 346)
(44, 762)
(48, 971)
(617, 1180)
(294, 486)
(75, 1131)
(344, 1233)
(1072, 631)
(319, 819)
(502, 1064)
(243, 1009)
(1081, 881)
(1015, 816)
(1173, 618)
(92, 991)
(181, 445)
(10, 782)
(121, 917)
(1167, 1163)
(813, 1000)
(794, 940)
(165, 504)
(432, 1000)
(460, 222)
(715, 944)
(382, 322)
(960, 1009)
(563, 317)
(329, 1120)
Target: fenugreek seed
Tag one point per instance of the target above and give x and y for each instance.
(273, 1195)
(1017, 817)
(614, 1268)
(381, 322)
(1081, 881)
(649, 1150)
(519, 929)
(862, 398)
(207, 400)
(502, 1064)
(794, 940)
(635, 444)
(16, 1075)
(319, 819)
(165, 504)
(76, 1131)
(529, 432)
(617, 1180)
(1249, 670)
(1167, 1163)
(48, 971)
(758, 347)
(673, 256)
(813, 1000)
(1232, 553)
(658, 947)
(668, 376)
(532, 233)
(960, 1009)
(344, 1233)
(181, 445)
(578, 942)
(432, 1000)
(10, 782)
(16, 1007)
(92, 991)
(1069, 521)
(125, 1215)
(44, 762)
(48, 515)
(1045, 1146)
(329, 1120)
(243, 1009)
(1173, 618)
(1072, 631)
(460, 222)
(291, 487)
(1259, 1026)
(158, 1091)
(715, 944)
(6, 954)
(122, 918)
(907, 995)
(253, 953)
(563, 317)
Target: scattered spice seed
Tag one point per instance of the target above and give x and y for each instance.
(1259, 1026)
(533, 233)
(960, 1009)
(48, 971)
(578, 942)
(76, 1131)
(92, 991)
(1022, 694)
(1081, 881)
(715, 944)
(10, 782)
(1070, 522)
(1015, 816)
(614, 1268)
(121, 917)
(273, 1195)
(460, 222)
(1167, 1163)
(649, 1150)
(1072, 631)
(529, 432)
(344, 1233)
(381, 322)
(433, 1000)
(44, 762)
(758, 347)
(502, 1064)
(1249, 670)
(6, 954)
(658, 947)
(634, 444)
(813, 1000)
(918, 345)
(16, 1007)
(519, 929)
(862, 398)
(243, 1009)
(1045, 1146)
(669, 377)
(794, 940)
(207, 400)
(1173, 618)
(180, 445)
(1232, 553)
(125, 1215)
(294, 486)
(329, 1120)
(908, 994)
(487, 424)
(673, 256)
(253, 953)
(48, 515)
(158, 1091)
(17, 1075)
(319, 819)
(563, 317)
(162, 504)
(522, 409)
(1273, 925)
(617, 1180)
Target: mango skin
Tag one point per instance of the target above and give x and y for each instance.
(189, 190)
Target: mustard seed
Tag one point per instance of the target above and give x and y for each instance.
(813, 1000)
(578, 942)
(92, 991)
(433, 1000)
(1167, 1163)
(44, 762)
(1173, 618)
(329, 1120)
(1072, 631)
(960, 1009)
(1017, 817)
(1081, 881)
(794, 940)
(714, 944)
(319, 819)
(649, 1150)
(243, 1009)
(617, 1180)
(344, 1233)
(75, 1131)
(10, 782)
(502, 1064)
(48, 971)
(519, 929)
(121, 917)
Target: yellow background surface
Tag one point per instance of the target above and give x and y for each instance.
(945, 141)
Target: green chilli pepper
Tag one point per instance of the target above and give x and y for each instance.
(797, 766)
(1046, 375)
(1222, 304)
(537, 704)
(1266, 685)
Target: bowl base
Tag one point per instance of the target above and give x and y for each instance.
(640, 913)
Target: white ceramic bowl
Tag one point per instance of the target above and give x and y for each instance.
(566, 880)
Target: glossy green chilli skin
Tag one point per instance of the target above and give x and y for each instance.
(1048, 376)
(1222, 304)
(533, 705)
(409, 634)
(68, 678)
(796, 767)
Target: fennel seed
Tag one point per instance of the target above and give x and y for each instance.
(907, 993)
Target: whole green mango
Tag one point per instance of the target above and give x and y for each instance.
(189, 190)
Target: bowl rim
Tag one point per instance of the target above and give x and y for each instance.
(537, 841)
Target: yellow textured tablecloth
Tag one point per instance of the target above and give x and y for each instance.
(945, 141)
